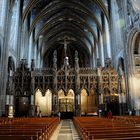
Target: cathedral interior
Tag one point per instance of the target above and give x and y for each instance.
(77, 57)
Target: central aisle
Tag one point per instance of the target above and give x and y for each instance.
(65, 131)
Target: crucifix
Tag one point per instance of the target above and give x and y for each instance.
(66, 62)
(65, 43)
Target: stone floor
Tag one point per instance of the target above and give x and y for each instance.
(65, 131)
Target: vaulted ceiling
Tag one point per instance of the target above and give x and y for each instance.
(79, 22)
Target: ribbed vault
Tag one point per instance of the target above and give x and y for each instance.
(77, 21)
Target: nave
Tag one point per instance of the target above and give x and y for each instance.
(78, 128)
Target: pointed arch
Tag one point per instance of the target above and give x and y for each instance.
(131, 49)
(43, 103)
(61, 93)
(38, 94)
(70, 93)
(106, 91)
(38, 89)
(48, 96)
(84, 99)
(66, 102)
(133, 61)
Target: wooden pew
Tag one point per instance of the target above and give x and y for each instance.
(101, 128)
(28, 128)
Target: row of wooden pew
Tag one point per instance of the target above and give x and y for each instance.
(27, 128)
(97, 128)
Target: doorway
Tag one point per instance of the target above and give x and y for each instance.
(21, 106)
(66, 104)
(43, 103)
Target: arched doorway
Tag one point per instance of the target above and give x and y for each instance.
(84, 102)
(111, 101)
(92, 103)
(66, 104)
(133, 79)
(114, 104)
(43, 103)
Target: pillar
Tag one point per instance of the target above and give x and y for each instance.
(4, 56)
(107, 35)
(101, 50)
(32, 98)
(30, 49)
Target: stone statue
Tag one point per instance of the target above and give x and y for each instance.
(32, 64)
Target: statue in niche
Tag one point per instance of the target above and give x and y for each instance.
(23, 64)
(32, 64)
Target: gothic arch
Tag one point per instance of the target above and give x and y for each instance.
(38, 89)
(130, 51)
(106, 91)
(84, 101)
(66, 103)
(18, 91)
(43, 103)
(70, 93)
(61, 93)
(133, 70)
(87, 91)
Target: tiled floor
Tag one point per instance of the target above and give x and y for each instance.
(65, 131)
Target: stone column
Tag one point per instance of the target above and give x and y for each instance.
(107, 35)
(35, 54)
(97, 52)
(38, 59)
(40, 43)
(101, 50)
(17, 26)
(55, 95)
(99, 90)
(94, 60)
(11, 107)
(77, 104)
(32, 97)
(4, 12)
(4, 57)
(24, 40)
(120, 97)
(77, 85)
(30, 49)
(19, 34)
